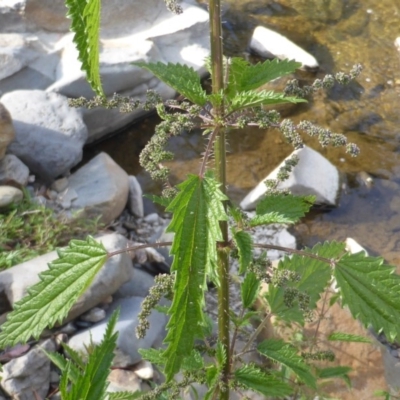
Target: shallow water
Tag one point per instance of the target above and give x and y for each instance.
(339, 34)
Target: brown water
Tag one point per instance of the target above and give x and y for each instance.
(338, 33)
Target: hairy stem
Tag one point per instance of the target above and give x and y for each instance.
(220, 172)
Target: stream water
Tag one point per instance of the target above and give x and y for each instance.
(339, 33)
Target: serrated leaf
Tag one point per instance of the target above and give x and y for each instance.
(60, 286)
(244, 76)
(281, 209)
(92, 382)
(163, 201)
(333, 372)
(314, 277)
(197, 210)
(253, 378)
(64, 365)
(244, 244)
(221, 355)
(249, 289)
(73, 355)
(286, 355)
(85, 23)
(348, 337)
(182, 78)
(253, 99)
(155, 356)
(125, 395)
(371, 291)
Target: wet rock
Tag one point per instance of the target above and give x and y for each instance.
(397, 43)
(13, 171)
(7, 132)
(14, 282)
(101, 187)
(323, 11)
(49, 134)
(123, 380)
(30, 373)
(127, 343)
(270, 44)
(135, 199)
(9, 195)
(313, 175)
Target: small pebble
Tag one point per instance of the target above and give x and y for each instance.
(96, 314)
(151, 218)
(61, 338)
(83, 324)
(144, 370)
(68, 329)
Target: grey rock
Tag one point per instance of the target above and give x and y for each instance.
(139, 285)
(9, 195)
(151, 218)
(96, 314)
(60, 185)
(135, 199)
(49, 15)
(49, 134)
(28, 373)
(127, 343)
(7, 132)
(102, 188)
(313, 175)
(14, 282)
(123, 380)
(13, 170)
(270, 44)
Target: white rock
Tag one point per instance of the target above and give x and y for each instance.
(28, 373)
(9, 195)
(13, 170)
(353, 247)
(270, 44)
(122, 380)
(313, 175)
(49, 134)
(127, 343)
(14, 282)
(135, 199)
(144, 370)
(397, 43)
(102, 188)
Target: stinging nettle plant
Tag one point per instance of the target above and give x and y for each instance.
(209, 233)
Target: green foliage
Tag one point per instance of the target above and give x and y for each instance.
(244, 76)
(29, 230)
(197, 210)
(90, 381)
(347, 337)
(244, 246)
(285, 354)
(281, 209)
(313, 277)
(249, 289)
(371, 291)
(60, 286)
(85, 23)
(182, 78)
(252, 377)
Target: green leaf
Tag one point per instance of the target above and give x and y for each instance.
(182, 78)
(281, 209)
(348, 337)
(333, 372)
(125, 395)
(244, 245)
(286, 355)
(63, 365)
(60, 286)
(197, 210)
(221, 355)
(163, 201)
(155, 356)
(253, 99)
(253, 378)
(314, 276)
(249, 289)
(371, 291)
(244, 76)
(92, 382)
(85, 23)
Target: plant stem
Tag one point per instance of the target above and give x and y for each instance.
(220, 172)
